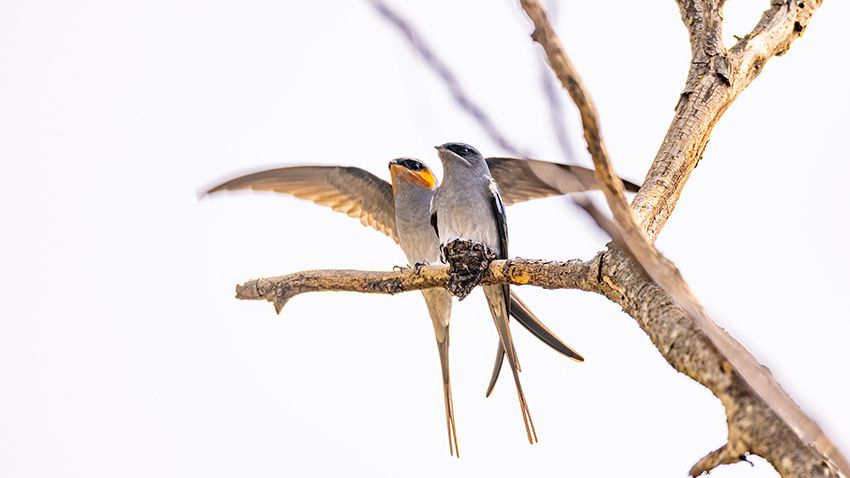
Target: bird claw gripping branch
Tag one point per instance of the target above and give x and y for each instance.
(468, 262)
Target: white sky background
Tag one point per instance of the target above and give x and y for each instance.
(124, 353)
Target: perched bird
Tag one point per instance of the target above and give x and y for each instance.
(402, 211)
(468, 206)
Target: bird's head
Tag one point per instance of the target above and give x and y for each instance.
(453, 153)
(413, 172)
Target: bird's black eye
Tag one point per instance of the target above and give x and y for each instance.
(411, 164)
(459, 150)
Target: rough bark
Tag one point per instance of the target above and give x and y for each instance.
(715, 79)
(573, 274)
(753, 424)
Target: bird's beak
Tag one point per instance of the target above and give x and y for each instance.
(425, 178)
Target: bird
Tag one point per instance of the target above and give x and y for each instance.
(468, 206)
(401, 210)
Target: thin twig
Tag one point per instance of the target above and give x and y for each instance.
(556, 114)
(563, 68)
(438, 66)
(556, 104)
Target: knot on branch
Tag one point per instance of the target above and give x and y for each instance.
(468, 263)
(264, 289)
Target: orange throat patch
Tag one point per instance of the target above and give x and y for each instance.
(424, 178)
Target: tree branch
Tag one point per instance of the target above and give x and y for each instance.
(755, 424)
(773, 406)
(545, 35)
(715, 79)
(720, 456)
(573, 274)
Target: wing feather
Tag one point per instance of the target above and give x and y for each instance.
(525, 179)
(502, 228)
(349, 190)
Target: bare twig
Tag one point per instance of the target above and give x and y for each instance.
(704, 21)
(553, 99)
(278, 290)
(438, 66)
(556, 114)
(720, 456)
(563, 68)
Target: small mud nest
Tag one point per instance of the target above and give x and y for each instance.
(468, 261)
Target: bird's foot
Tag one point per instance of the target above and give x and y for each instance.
(468, 262)
(417, 267)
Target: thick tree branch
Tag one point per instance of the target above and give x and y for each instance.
(715, 79)
(704, 22)
(755, 424)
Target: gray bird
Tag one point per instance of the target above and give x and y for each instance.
(468, 206)
(401, 211)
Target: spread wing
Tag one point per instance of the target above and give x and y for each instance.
(524, 179)
(353, 191)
